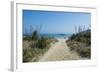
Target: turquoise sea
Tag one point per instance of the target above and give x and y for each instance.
(53, 35)
(56, 35)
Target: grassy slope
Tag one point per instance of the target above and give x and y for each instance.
(81, 43)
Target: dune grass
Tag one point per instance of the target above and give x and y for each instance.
(35, 46)
(81, 43)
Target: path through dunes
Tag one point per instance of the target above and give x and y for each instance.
(59, 51)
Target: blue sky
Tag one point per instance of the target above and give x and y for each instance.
(54, 22)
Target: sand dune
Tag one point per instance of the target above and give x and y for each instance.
(59, 51)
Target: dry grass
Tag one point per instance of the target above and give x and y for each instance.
(81, 48)
(32, 53)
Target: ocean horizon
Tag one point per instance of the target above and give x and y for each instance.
(52, 35)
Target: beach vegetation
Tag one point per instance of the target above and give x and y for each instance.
(35, 45)
(81, 43)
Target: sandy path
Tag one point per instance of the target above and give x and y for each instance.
(59, 51)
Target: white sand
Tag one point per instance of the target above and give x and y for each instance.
(59, 51)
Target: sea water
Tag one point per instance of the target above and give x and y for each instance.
(56, 35)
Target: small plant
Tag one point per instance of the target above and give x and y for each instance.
(35, 35)
(42, 43)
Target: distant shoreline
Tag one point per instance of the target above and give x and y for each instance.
(53, 35)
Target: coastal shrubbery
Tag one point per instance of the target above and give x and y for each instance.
(84, 37)
(81, 43)
(35, 46)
